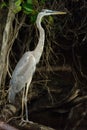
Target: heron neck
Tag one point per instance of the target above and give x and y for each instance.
(39, 48)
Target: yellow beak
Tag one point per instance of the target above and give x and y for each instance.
(59, 12)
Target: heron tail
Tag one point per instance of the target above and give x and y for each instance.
(11, 96)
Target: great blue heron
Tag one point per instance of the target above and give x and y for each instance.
(24, 70)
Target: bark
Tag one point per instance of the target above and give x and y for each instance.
(33, 126)
(5, 42)
(4, 126)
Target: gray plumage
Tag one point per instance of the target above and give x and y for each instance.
(22, 73)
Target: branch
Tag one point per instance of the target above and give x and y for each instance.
(33, 126)
(4, 126)
(52, 68)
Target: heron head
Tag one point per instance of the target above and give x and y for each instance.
(46, 12)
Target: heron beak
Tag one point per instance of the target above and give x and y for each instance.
(59, 12)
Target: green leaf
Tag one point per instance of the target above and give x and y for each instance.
(18, 6)
(29, 1)
(33, 18)
(51, 20)
(18, 2)
(28, 8)
(18, 9)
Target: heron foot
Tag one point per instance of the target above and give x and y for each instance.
(24, 122)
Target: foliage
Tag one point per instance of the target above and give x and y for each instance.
(3, 4)
(26, 6)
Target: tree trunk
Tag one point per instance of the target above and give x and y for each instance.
(5, 44)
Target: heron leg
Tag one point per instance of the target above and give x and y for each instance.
(23, 102)
(23, 105)
(26, 95)
(26, 107)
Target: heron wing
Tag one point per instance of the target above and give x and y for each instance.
(23, 72)
(22, 63)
